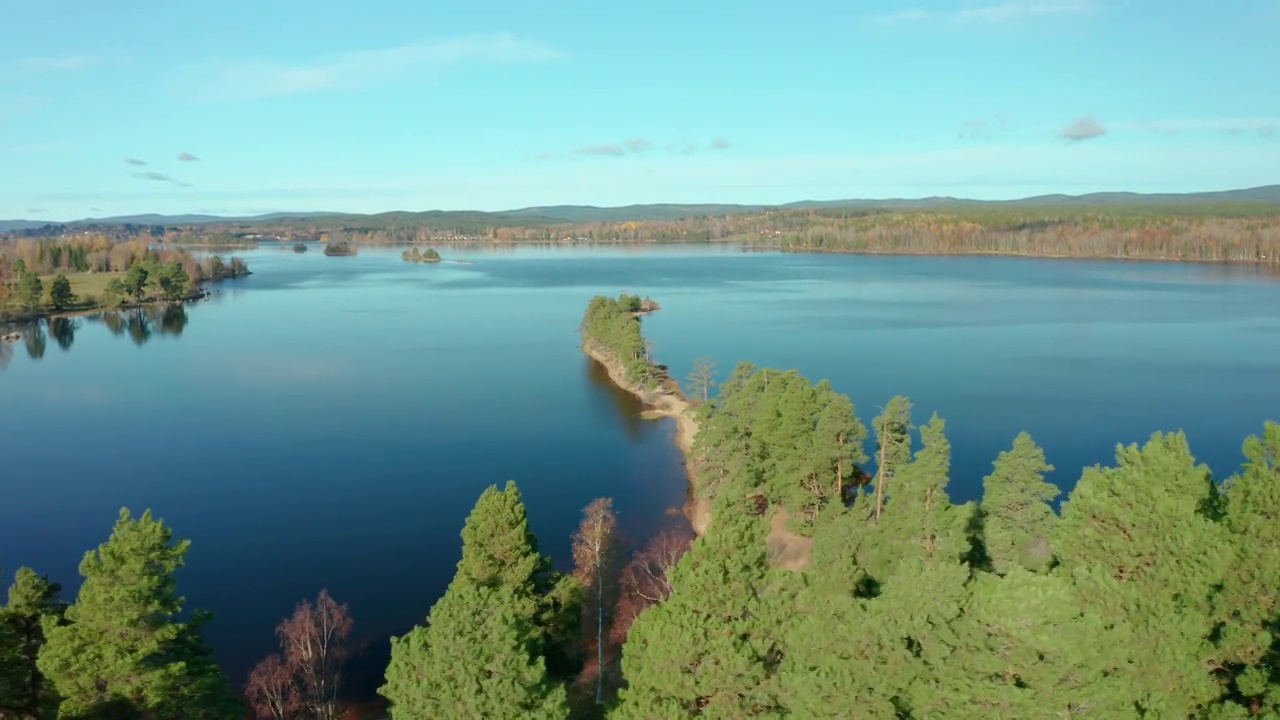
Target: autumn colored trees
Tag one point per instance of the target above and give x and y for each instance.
(304, 680)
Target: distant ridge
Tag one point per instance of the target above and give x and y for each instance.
(675, 211)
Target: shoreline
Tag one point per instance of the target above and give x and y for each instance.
(200, 292)
(666, 402)
(1264, 263)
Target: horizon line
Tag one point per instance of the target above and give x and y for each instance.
(782, 205)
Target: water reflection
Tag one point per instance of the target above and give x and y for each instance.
(140, 325)
(628, 406)
(63, 331)
(36, 341)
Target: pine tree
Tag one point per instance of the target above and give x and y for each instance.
(1018, 522)
(486, 639)
(1249, 641)
(125, 645)
(1026, 649)
(711, 649)
(1145, 554)
(893, 445)
(23, 690)
(472, 660)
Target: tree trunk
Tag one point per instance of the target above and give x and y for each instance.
(880, 481)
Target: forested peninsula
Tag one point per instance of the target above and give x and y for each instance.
(1151, 591)
(83, 274)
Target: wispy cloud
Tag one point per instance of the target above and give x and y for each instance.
(187, 157)
(154, 176)
(996, 12)
(982, 129)
(37, 210)
(633, 146)
(628, 147)
(364, 68)
(1084, 128)
(38, 65)
(135, 162)
(1264, 126)
(603, 149)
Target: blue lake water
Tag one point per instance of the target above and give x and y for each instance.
(328, 422)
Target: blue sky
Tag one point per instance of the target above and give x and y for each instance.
(241, 107)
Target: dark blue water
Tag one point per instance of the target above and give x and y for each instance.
(328, 422)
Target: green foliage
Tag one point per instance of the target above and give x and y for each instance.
(483, 652)
(1144, 555)
(611, 325)
(1018, 520)
(796, 443)
(30, 290)
(712, 649)
(135, 281)
(173, 281)
(23, 690)
(125, 640)
(60, 295)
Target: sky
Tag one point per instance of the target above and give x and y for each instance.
(243, 107)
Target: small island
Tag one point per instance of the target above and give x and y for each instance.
(423, 256)
(339, 248)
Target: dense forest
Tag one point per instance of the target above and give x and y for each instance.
(82, 273)
(1195, 231)
(1151, 591)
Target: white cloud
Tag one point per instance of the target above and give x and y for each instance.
(362, 68)
(1007, 11)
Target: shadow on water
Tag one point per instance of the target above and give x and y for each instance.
(627, 406)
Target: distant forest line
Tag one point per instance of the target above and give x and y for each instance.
(1192, 231)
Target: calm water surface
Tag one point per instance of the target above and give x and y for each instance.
(328, 422)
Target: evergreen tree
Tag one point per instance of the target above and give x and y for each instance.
(1249, 640)
(711, 650)
(23, 690)
(1018, 522)
(125, 644)
(1025, 649)
(485, 642)
(1144, 554)
(893, 445)
(60, 295)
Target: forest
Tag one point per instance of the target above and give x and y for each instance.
(1192, 231)
(1151, 590)
(39, 277)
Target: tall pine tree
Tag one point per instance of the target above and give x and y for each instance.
(482, 653)
(1249, 639)
(1145, 553)
(711, 650)
(126, 644)
(1018, 522)
(23, 690)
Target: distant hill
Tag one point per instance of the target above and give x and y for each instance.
(666, 211)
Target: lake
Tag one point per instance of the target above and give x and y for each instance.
(328, 422)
